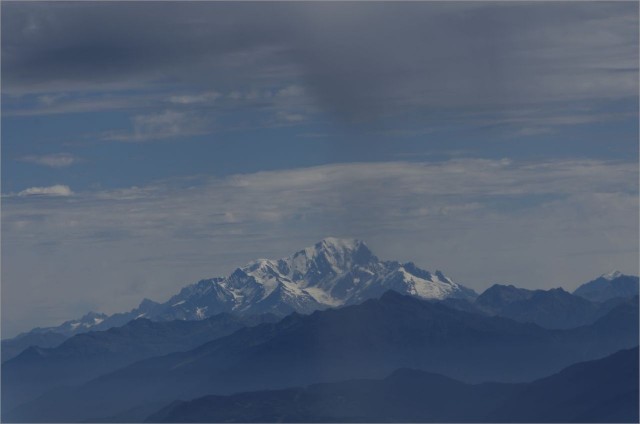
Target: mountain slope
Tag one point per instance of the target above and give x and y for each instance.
(604, 390)
(88, 355)
(405, 396)
(554, 308)
(496, 297)
(334, 272)
(609, 286)
(362, 341)
(13, 347)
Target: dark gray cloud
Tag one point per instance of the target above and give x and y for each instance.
(62, 45)
(358, 61)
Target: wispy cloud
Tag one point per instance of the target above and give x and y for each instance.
(56, 160)
(80, 102)
(163, 125)
(188, 99)
(54, 190)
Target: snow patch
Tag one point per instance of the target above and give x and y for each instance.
(201, 312)
(427, 289)
(611, 275)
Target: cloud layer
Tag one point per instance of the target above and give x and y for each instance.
(357, 62)
(540, 224)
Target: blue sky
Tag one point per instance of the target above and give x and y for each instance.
(146, 146)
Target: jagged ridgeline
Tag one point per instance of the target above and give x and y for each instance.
(289, 339)
(333, 272)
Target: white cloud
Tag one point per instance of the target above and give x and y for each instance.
(54, 190)
(187, 99)
(57, 160)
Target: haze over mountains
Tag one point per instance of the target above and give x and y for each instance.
(169, 171)
(418, 396)
(369, 340)
(87, 355)
(609, 286)
(554, 308)
(328, 313)
(332, 273)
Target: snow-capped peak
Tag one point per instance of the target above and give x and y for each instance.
(340, 243)
(259, 265)
(332, 246)
(611, 275)
(442, 277)
(332, 273)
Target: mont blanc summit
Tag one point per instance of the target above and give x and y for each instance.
(332, 273)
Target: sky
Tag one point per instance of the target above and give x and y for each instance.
(146, 146)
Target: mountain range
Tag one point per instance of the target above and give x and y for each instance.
(332, 273)
(328, 313)
(338, 272)
(609, 286)
(369, 340)
(554, 308)
(88, 355)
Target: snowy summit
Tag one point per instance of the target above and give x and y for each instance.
(333, 272)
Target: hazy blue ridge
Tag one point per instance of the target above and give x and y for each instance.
(13, 347)
(603, 390)
(88, 355)
(609, 286)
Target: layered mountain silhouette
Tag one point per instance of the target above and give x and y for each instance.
(330, 312)
(554, 308)
(609, 286)
(406, 395)
(88, 355)
(338, 272)
(369, 340)
(13, 347)
(604, 390)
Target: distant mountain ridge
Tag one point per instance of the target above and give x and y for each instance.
(609, 286)
(87, 355)
(334, 272)
(338, 272)
(554, 308)
(603, 390)
(12, 347)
